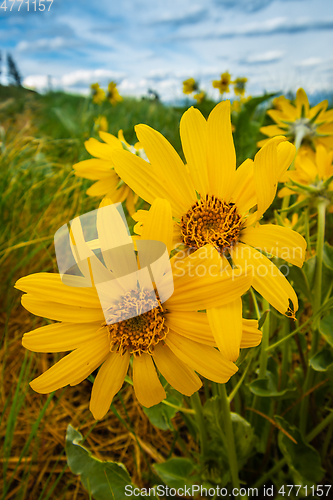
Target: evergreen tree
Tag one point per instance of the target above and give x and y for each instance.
(13, 72)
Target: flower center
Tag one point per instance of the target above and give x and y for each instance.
(141, 332)
(211, 220)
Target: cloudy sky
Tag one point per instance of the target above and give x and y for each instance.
(278, 45)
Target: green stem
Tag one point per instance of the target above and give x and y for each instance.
(197, 406)
(322, 204)
(229, 434)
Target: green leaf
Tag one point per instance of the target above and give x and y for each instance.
(263, 318)
(303, 459)
(326, 328)
(160, 415)
(103, 480)
(323, 360)
(328, 255)
(309, 269)
(267, 388)
(175, 472)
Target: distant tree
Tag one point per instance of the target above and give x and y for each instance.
(13, 73)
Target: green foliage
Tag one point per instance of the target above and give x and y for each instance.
(176, 472)
(103, 480)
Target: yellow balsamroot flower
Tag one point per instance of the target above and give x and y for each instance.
(223, 83)
(101, 123)
(200, 96)
(239, 86)
(189, 86)
(300, 123)
(101, 169)
(172, 337)
(314, 171)
(113, 95)
(98, 94)
(211, 204)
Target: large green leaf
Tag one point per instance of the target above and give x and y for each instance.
(323, 360)
(326, 328)
(267, 387)
(103, 480)
(303, 460)
(161, 414)
(328, 255)
(176, 472)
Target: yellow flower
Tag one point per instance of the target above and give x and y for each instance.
(212, 203)
(98, 94)
(173, 336)
(113, 94)
(239, 86)
(101, 169)
(314, 171)
(223, 83)
(189, 86)
(312, 126)
(200, 97)
(101, 123)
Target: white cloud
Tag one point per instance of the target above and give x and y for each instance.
(43, 44)
(264, 57)
(311, 61)
(90, 76)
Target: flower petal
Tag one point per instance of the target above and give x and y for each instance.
(78, 364)
(60, 337)
(143, 180)
(147, 386)
(267, 278)
(251, 336)
(226, 324)
(280, 241)
(50, 287)
(111, 140)
(158, 224)
(302, 102)
(221, 156)
(285, 155)
(94, 169)
(61, 312)
(176, 373)
(98, 149)
(192, 325)
(167, 164)
(108, 382)
(193, 133)
(244, 193)
(204, 359)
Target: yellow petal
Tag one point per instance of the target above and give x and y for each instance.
(271, 130)
(251, 336)
(193, 133)
(158, 224)
(60, 337)
(302, 102)
(267, 278)
(108, 382)
(285, 155)
(266, 174)
(61, 312)
(176, 373)
(49, 285)
(167, 164)
(111, 140)
(279, 241)
(192, 325)
(109, 185)
(244, 193)
(221, 156)
(98, 149)
(203, 359)
(147, 386)
(143, 180)
(226, 324)
(93, 169)
(322, 161)
(78, 364)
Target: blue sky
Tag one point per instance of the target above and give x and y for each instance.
(279, 45)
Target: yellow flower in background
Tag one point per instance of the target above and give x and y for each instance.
(200, 97)
(98, 94)
(314, 171)
(212, 203)
(300, 123)
(239, 86)
(113, 95)
(189, 86)
(224, 83)
(101, 123)
(172, 337)
(101, 169)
